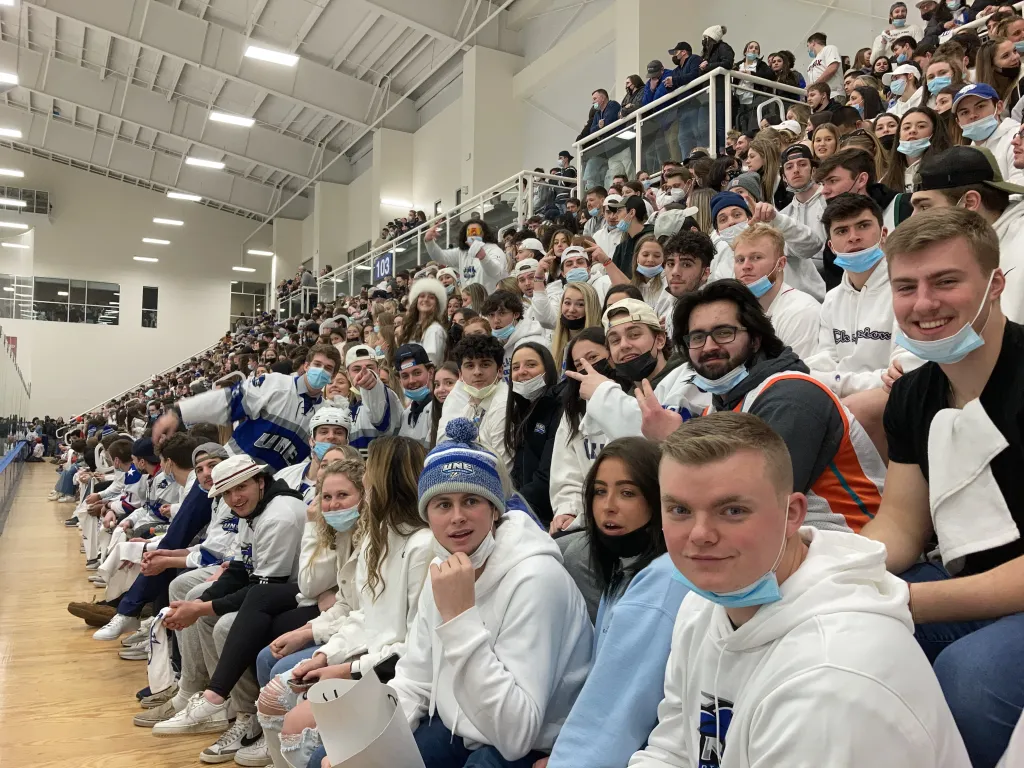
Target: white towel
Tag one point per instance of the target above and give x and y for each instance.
(968, 510)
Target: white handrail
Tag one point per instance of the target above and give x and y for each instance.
(979, 24)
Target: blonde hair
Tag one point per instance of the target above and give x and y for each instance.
(721, 435)
(510, 284)
(639, 280)
(769, 152)
(393, 467)
(941, 225)
(592, 314)
(766, 231)
(326, 537)
(700, 198)
(414, 325)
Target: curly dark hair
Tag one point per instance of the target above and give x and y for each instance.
(751, 316)
(488, 233)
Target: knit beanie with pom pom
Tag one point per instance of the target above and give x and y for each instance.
(460, 465)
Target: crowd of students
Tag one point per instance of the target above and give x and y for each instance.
(727, 476)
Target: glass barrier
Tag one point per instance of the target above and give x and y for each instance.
(13, 453)
(696, 115)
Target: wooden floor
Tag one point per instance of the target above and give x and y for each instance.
(66, 700)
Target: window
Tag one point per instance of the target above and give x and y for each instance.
(247, 299)
(59, 300)
(150, 296)
(437, 207)
(360, 250)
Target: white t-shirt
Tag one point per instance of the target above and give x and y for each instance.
(826, 57)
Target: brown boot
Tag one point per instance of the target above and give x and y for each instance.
(94, 614)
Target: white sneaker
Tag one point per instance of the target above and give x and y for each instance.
(53, 496)
(137, 652)
(139, 635)
(256, 755)
(199, 716)
(65, 499)
(244, 732)
(116, 627)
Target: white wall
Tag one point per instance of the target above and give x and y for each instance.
(98, 226)
(436, 170)
(360, 201)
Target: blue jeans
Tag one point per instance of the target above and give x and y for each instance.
(439, 749)
(980, 669)
(66, 483)
(267, 667)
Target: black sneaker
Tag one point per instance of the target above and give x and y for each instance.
(71, 522)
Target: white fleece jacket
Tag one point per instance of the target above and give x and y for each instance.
(372, 627)
(571, 460)
(1000, 144)
(831, 675)
(794, 315)
(855, 345)
(507, 671)
(487, 270)
(1010, 229)
(488, 414)
(617, 414)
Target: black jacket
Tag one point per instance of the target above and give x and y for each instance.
(721, 55)
(531, 465)
(623, 256)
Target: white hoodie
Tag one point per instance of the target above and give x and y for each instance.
(571, 460)
(794, 314)
(486, 271)
(855, 345)
(809, 214)
(528, 329)
(831, 675)
(488, 414)
(547, 306)
(507, 671)
(1010, 229)
(1000, 144)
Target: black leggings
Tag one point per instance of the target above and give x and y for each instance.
(268, 612)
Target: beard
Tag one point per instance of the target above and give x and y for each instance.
(715, 364)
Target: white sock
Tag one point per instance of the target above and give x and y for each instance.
(181, 699)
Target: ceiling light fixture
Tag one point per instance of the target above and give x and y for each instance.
(9, 78)
(224, 117)
(396, 203)
(155, 241)
(260, 253)
(12, 225)
(19, 246)
(274, 57)
(627, 135)
(183, 196)
(244, 269)
(115, 303)
(169, 222)
(197, 161)
(8, 3)
(8, 289)
(12, 172)
(11, 133)
(12, 202)
(62, 293)
(145, 258)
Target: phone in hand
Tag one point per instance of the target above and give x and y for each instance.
(385, 668)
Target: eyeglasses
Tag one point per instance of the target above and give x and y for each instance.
(722, 334)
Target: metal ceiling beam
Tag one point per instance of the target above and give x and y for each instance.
(354, 38)
(218, 50)
(421, 16)
(254, 17)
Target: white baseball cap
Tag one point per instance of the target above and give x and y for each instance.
(358, 352)
(532, 244)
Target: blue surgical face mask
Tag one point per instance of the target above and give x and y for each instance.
(762, 285)
(419, 395)
(810, 54)
(938, 83)
(901, 59)
(318, 378)
(859, 108)
(899, 23)
(860, 261)
(898, 87)
(952, 4)
(623, 226)
(954, 348)
(594, 212)
(913, 147)
(762, 592)
(320, 449)
(751, 56)
(1019, 46)
(502, 334)
(650, 271)
(449, 289)
(475, 239)
(342, 520)
(724, 384)
(577, 275)
(980, 130)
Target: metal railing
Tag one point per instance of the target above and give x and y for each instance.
(511, 201)
(696, 115)
(298, 301)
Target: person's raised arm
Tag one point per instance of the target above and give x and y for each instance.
(598, 256)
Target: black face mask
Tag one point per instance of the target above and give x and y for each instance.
(928, 16)
(887, 141)
(604, 367)
(629, 544)
(574, 325)
(675, 60)
(1008, 71)
(639, 368)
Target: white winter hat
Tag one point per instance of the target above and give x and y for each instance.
(448, 271)
(429, 285)
(716, 32)
(233, 471)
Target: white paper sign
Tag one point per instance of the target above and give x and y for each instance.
(361, 725)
